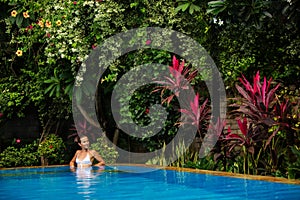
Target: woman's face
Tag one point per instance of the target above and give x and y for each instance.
(84, 142)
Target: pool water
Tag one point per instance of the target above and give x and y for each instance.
(115, 183)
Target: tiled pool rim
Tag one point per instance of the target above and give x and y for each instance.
(200, 171)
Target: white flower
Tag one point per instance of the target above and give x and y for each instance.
(79, 58)
(215, 20)
(220, 22)
(78, 80)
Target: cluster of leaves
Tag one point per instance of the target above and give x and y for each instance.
(46, 43)
(108, 153)
(53, 149)
(262, 144)
(195, 113)
(255, 35)
(294, 167)
(14, 156)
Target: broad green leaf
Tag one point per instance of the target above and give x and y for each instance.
(51, 92)
(216, 3)
(49, 88)
(48, 81)
(58, 91)
(19, 20)
(182, 7)
(215, 11)
(193, 8)
(12, 19)
(268, 14)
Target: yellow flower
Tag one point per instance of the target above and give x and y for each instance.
(14, 13)
(25, 14)
(19, 52)
(41, 23)
(48, 24)
(294, 116)
(58, 22)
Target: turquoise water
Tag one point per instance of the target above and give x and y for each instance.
(114, 183)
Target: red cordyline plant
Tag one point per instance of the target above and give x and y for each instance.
(230, 139)
(259, 109)
(179, 80)
(196, 114)
(258, 99)
(258, 104)
(244, 138)
(83, 128)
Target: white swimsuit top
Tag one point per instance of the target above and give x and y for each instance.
(85, 161)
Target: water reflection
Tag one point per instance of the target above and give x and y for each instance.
(85, 180)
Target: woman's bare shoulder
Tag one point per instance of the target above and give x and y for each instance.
(78, 151)
(93, 152)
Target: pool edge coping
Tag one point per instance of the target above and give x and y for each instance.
(192, 170)
(236, 175)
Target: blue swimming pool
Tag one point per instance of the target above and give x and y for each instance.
(115, 183)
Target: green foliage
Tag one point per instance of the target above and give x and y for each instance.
(52, 148)
(55, 84)
(54, 40)
(294, 167)
(109, 154)
(12, 97)
(20, 156)
(187, 5)
(45, 42)
(55, 37)
(206, 163)
(254, 35)
(266, 134)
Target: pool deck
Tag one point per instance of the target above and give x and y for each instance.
(201, 171)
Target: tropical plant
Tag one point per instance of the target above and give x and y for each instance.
(258, 103)
(82, 128)
(190, 5)
(107, 152)
(294, 167)
(247, 36)
(51, 150)
(14, 156)
(259, 144)
(55, 84)
(180, 79)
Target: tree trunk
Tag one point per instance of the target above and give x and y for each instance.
(44, 161)
(116, 137)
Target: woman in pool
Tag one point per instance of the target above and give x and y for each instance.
(84, 158)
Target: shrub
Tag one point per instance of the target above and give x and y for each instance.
(16, 157)
(109, 154)
(51, 150)
(294, 167)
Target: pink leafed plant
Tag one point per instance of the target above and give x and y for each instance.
(258, 99)
(180, 78)
(196, 114)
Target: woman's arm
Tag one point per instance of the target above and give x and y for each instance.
(72, 162)
(97, 156)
